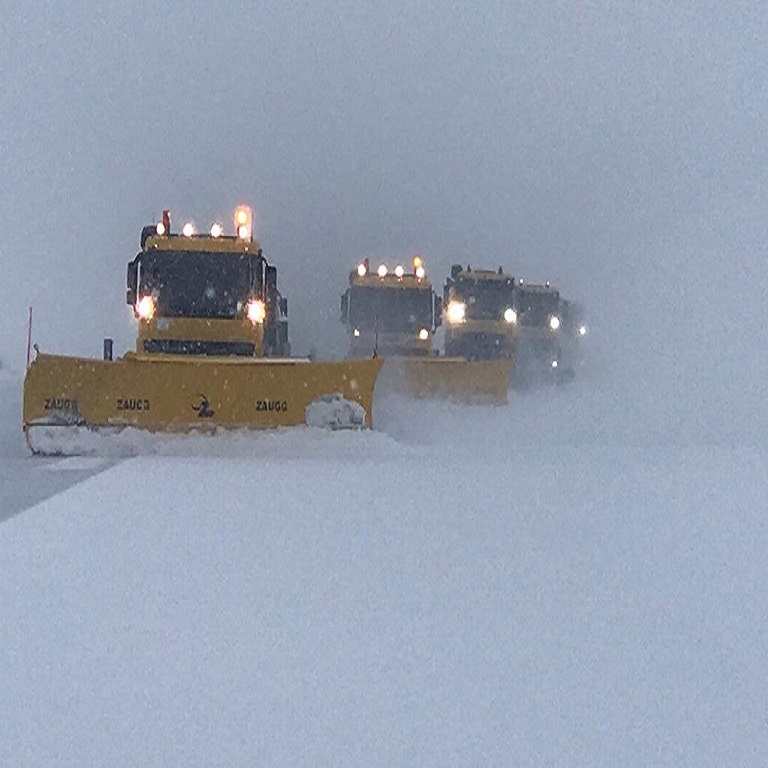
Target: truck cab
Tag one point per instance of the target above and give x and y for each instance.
(390, 311)
(206, 294)
(480, 316)
(539, 330)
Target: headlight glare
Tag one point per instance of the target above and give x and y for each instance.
(456, 312)
(256, 311)
(145, 308)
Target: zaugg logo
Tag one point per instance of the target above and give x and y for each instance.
(203, 408)
(272, 405)
(132, 404)
(60, 404)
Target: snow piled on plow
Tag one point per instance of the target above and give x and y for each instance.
(335, 412)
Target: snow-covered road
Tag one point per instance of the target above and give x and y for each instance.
(457, 589)
(26, 480)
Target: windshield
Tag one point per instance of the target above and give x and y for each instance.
(485, 299)
(398, 309)
(199, 284)
(535, 307)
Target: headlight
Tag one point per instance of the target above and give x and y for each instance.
(456, 312)
(423, 334)
(554, 322)
(361, 270)
(188, 229)
(216, 229)
(420, 272)
(554, 363)
(382, 271)
(145, 309)
(510, 315)
(256, 311)
(243, 222)
(582, 330)
(399, 271)
(356, 332)
(160, 228)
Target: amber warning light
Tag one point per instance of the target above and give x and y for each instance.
(164, 226)
(243, 222)
(418, 267)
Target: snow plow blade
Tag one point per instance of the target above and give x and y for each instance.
(74, 396)
(449, 378)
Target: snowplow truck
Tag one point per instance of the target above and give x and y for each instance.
(211, 353)
(538, 333)
(200, 295)
(390, 312)
(480, 318)
(394, 313)
(573, 333)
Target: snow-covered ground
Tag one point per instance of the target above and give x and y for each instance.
(465, 586)
(25, 480)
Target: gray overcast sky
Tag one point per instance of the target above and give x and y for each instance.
(616, 148)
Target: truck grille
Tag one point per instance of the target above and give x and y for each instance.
(215, 348)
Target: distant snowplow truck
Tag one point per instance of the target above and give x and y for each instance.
(211, 352)
(573, 332)
(491, 314)
(394, 313)
(390, 312)
(479, 313)
(539, 334)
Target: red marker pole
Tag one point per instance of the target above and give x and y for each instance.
(29, 336)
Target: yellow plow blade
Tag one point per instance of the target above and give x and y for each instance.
(161, 393)
(449, 378)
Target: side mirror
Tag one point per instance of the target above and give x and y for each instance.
(270, 279)
(283, 306)
(438, 311)
(147, 232)
(132, 281)
(344, 307)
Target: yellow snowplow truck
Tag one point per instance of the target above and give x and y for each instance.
(479, 312)
(491, 314)
(390, 312)
(393, 313)
(211, 352)
(573, 332)
(538, 334)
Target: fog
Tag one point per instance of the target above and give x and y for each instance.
(615, 150)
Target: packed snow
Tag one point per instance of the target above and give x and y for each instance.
(451, 588)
